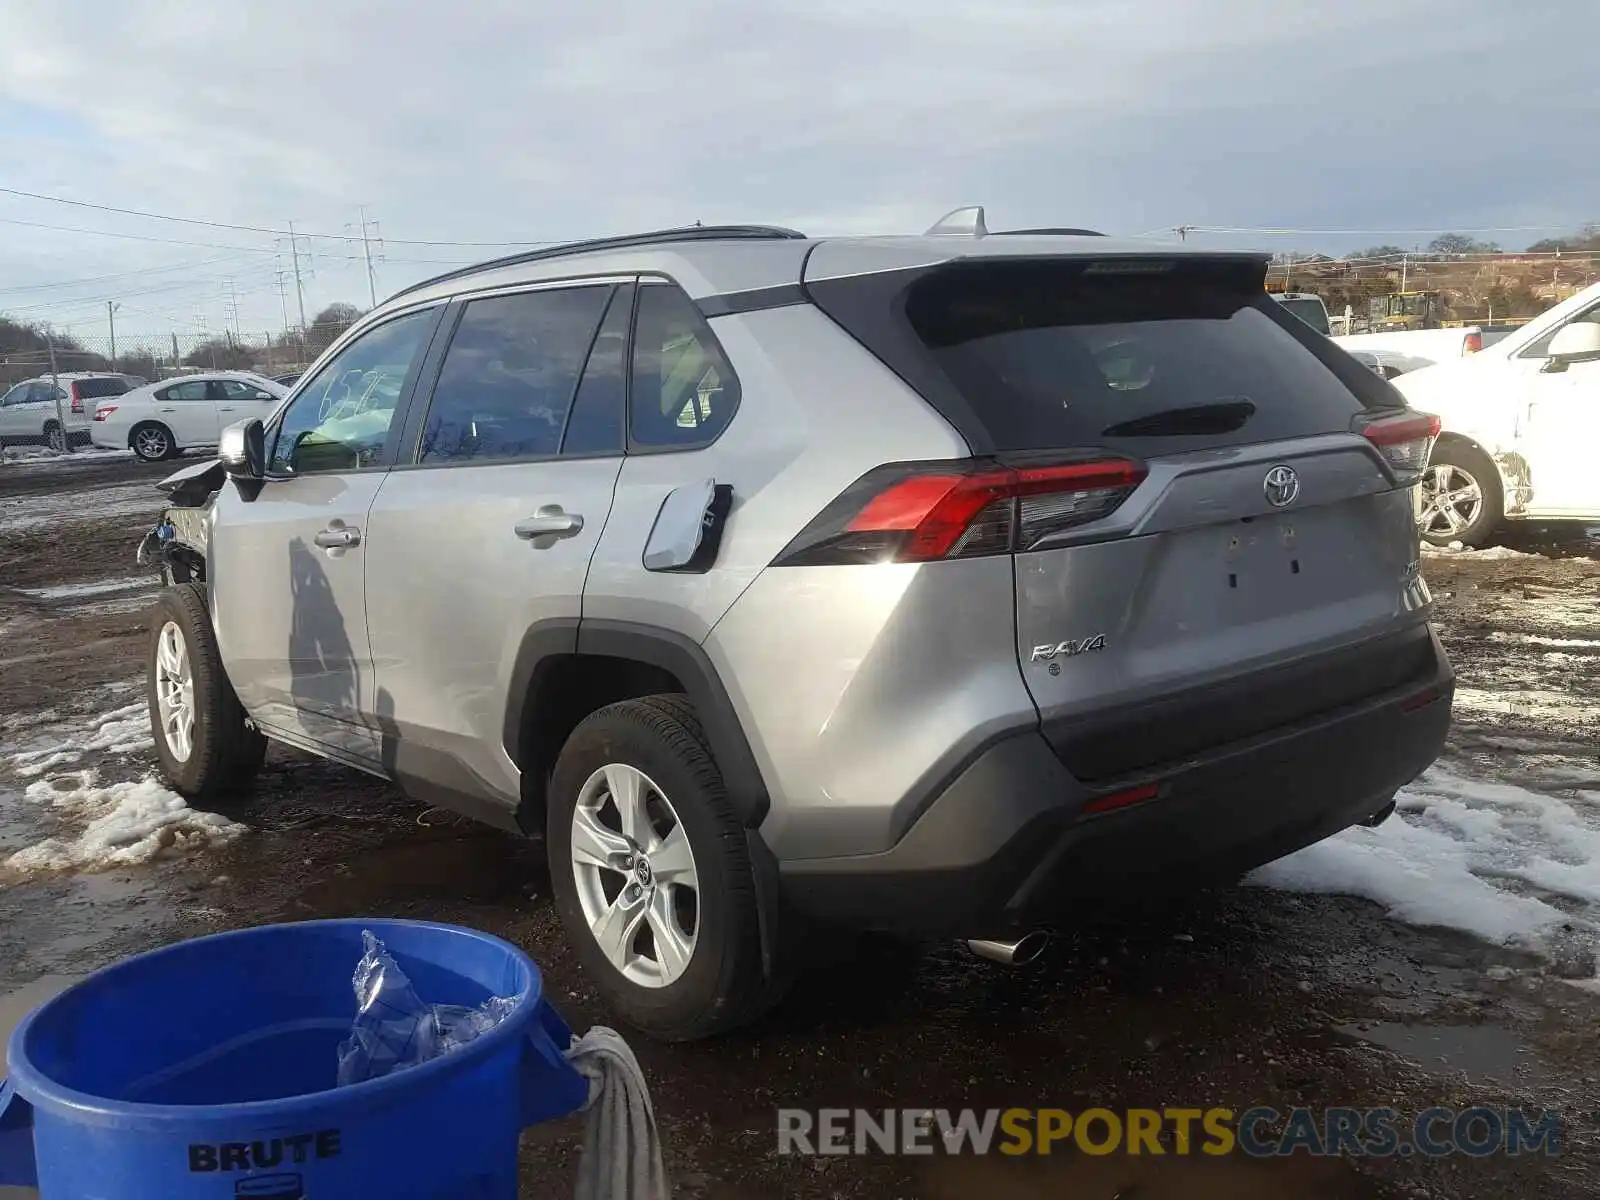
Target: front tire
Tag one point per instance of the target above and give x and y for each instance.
(152, 441)
(1461, 497)
(652, 873)
(203, 745)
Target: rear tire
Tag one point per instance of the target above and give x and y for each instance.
(152, 441)
(657, 745)
(203, 746)
(54, 437)
(1461, 497)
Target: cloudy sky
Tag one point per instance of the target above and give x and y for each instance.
(507, 121)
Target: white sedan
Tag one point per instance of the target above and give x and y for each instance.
(164, 419)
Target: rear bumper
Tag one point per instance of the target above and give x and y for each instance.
(1008, 844)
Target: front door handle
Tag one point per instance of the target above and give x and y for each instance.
(338, 537)
(549, 522)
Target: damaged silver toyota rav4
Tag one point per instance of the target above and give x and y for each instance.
(931, 584)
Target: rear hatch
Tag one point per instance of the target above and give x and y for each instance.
(1207, 503)
(86, 393)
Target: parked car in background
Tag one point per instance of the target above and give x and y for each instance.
(1307, 306)
(1520, 423)
(289, 379)
(30, 414)
(161, 420)
(946, 584)
(1402, 351)
(1310, 308)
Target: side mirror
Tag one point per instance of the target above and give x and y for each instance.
(243, 451)
(1577, 341)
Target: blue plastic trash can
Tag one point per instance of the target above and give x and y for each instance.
(207, 1069)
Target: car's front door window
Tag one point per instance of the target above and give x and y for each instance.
(340, 420)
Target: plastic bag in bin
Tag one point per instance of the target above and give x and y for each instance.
(394, 1029)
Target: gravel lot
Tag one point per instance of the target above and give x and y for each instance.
(1254, 996)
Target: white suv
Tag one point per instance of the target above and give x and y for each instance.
(32, 413)
(1521, 419)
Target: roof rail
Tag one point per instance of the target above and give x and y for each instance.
(688, 233)
(1046, 233)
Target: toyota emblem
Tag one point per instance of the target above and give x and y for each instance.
(1281, 486)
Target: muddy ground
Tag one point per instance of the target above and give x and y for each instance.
(1241, 998)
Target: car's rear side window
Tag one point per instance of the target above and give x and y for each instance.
(1052, 353)
(94, 389)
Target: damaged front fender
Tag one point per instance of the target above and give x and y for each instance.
(1516, 481)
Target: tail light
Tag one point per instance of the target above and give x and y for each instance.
(104, 411)
(1472, 344)
(77, 398)
(1405, 441)
(923, 512)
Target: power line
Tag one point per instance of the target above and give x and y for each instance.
(41, 287)
(336, 237)
(1374, 229)
(132, 237)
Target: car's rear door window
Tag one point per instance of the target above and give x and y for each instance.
(509, 376)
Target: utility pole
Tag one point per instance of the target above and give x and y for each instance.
(1404, 263)
(1183, 232)
(299, 285)
(366, 250)
(111, 319)
(232, 310)
(55, 390)
(283, 303)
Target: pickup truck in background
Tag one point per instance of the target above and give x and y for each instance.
(1404, 350)
(1309, 307)
(1521, 423)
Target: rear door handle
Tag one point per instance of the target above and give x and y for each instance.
(549, 522)
(337, 537)
(166, 410)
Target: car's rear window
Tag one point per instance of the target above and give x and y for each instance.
(1173, 355)
(94, 389)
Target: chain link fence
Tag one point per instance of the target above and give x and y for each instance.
(162, 356)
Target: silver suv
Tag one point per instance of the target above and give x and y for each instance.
(938, 584)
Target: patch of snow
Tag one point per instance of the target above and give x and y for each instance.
(1529, 703)
(98, 587)
(1504, 863)
(1460, 550)
(34, 457)
(122, 824)
(56, 508)
(120, 731)
(1534, 639)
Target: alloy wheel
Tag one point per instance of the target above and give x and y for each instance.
(636, 876)
(175, 692)
(150, 443)
(1452, 500)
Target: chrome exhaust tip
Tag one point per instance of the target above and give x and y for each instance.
(1011, 954)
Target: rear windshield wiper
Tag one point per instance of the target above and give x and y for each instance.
(1193, 420)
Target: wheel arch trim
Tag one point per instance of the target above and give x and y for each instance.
(546, 642)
